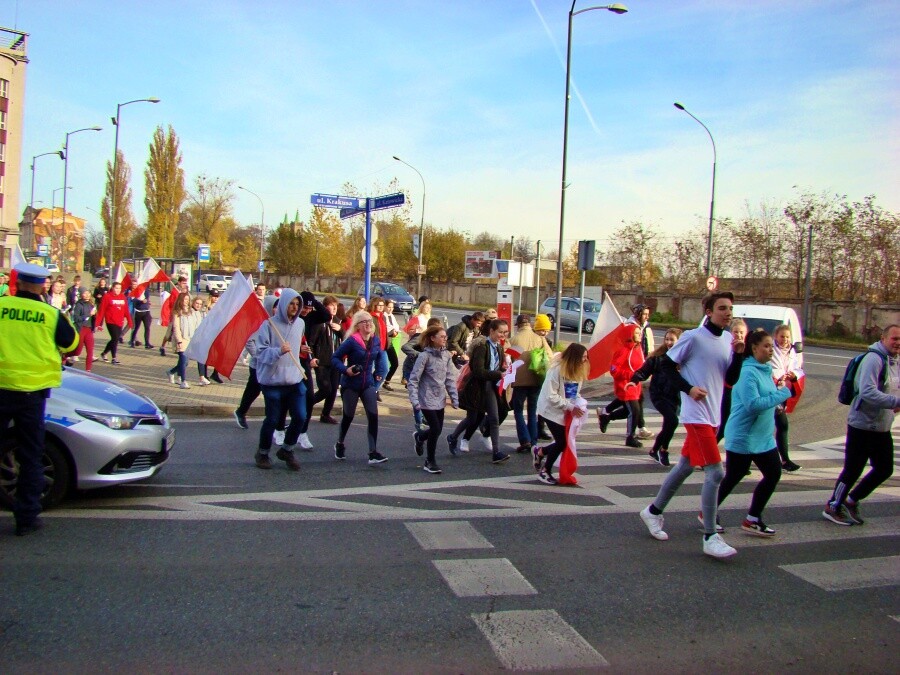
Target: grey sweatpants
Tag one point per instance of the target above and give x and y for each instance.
(708, 495)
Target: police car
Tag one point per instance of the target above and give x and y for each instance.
(98, 433)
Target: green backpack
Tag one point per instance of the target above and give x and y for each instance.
(538, 362)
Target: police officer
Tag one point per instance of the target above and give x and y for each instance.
(32, 335)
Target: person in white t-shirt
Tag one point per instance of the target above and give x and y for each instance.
(706, 358)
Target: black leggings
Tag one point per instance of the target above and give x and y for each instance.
(139, 319)
(736, 466)
(864, 446)
(633, 410)
(435, 421)
(251, 393)
(469, 425)
(556, 448)
(369, 397)
(669, 410)
(327, 381)
(392, 360)
(781, 435)
(113, 345)
(725, 412)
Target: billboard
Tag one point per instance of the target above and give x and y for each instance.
(480, 264)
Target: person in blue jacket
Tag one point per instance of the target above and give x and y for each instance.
(363, 370)
(750, 430)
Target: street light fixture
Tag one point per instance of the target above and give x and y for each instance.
(615, 9)
(421, 227)
(112, 207)
(66, 167)
(43, 154)
(262, 222)
(712, 201)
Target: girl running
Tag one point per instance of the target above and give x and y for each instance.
(559, 392)
(625, 363)
(750, 430)
(432, 380)
(666, 385)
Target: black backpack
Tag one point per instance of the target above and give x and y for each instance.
(848, 391)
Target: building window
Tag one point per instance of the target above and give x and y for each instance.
(4, 88)
(2, 152)
(2, 120)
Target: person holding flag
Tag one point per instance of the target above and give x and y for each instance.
(281, 378)
(559, 404)
(787, 368)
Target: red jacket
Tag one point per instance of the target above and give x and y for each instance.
(381, 327)
(114, 309)
(625, 363)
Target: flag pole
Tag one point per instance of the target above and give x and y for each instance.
(293, 356)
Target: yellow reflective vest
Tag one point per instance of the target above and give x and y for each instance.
(29, 355)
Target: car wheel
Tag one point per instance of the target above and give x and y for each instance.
(588, 326)
(57, 474)
(552, 321)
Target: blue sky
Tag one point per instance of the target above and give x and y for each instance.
(291, 98)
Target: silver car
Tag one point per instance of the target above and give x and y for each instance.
(570, 312)
(99, 433)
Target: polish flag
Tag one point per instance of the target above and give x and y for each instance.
(150, 274)
(796, 388)
(17, 258)
(513, 363)
(168, 302)
(568, 460)
(605, 340)
(222, 335)
(120, 274)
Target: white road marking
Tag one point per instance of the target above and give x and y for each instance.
(483, 577)
(537, 640)
(815, 531)
(842, 575)
(453, 534)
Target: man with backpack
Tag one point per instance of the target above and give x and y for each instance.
(875, 401)
(535, 353)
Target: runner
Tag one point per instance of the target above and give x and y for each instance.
(431, 382)
(750, 430)
(706, 359)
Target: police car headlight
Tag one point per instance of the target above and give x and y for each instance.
(111, 420)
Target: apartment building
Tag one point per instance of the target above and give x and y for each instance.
(13, 62)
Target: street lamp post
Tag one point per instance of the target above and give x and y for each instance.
(616, 9)
(712, 201)
(54, 235)
(112, 202)
(262, 222)
(66, 168)
(421, 228)
(43, 154)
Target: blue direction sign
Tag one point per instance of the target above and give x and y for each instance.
(203, 253)
(43, 250)
(337, 202)
(375, 204)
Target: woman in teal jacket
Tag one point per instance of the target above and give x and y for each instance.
(750, 431)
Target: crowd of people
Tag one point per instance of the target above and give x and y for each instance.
(721, 382)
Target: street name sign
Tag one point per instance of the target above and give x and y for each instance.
(337, 201)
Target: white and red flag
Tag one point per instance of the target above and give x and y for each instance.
(605, 340)
(514, 362)
(568, 460)
(120, 274)
(222, 335)
(151, 273)
(17, 258)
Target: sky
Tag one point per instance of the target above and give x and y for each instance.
(294, 97)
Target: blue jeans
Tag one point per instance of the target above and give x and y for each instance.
(289, 397)
(522, 397)
(180, 368)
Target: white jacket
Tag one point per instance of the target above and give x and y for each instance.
(552, 402)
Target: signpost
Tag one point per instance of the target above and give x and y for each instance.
(353, 206)
(203, 253)
(712, 284)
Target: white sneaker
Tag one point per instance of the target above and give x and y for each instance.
(203, 381)
(74, 359)
(644, 432)
(717, 548)
(654, 524)
(184, 385)
(304, 442)
(463, 445)
(278, 437)
(171, 378)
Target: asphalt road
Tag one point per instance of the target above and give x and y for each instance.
(216, 566)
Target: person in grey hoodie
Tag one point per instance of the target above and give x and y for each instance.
(432, 380)
(281, 378)
(869, 423)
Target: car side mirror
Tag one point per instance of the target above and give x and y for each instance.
(798, 347)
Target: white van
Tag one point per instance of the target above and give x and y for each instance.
(769, 317)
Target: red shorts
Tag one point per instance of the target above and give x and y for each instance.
(700, 446)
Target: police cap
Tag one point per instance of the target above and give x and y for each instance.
(31, 273)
